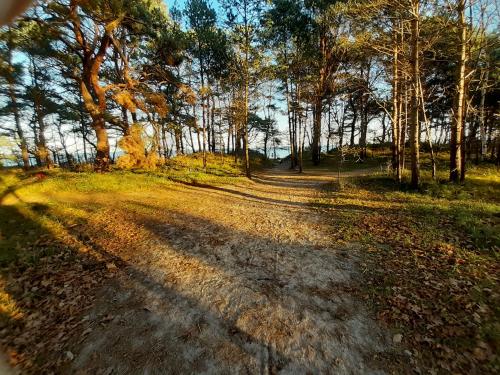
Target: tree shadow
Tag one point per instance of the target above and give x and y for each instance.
(16, 230)
(38, 279)
(141, 325)
(248, 196)
(160, 290)
(281, 182)
(225, 300)
(42, 320)
(11, 189)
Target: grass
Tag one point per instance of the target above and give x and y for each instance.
(431, 260)
(474, 206)
(46, 260)
(333, 161)
(27, 196)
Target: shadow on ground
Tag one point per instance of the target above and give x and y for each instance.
(140, 286)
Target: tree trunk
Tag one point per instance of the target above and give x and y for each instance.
(83, 129)
(164, 141)
(203, 119)
(301, 136)
(245, 135)
(212, 122)
(96, 112)
(329, 124)
(415, 124)
(41, 144)
(42, 152)
(247, 84)
(482, 125)
(93, 95)
(395, 121)
(290, 130)
(266, 139)
(341, 130)
(125, 122)
(457, 128)
(404, 123)
(102, 149)
(294, 132)
(354, 119)
(364, 127)
(209, 125)
(315, 149)
(204, 130)
(301, 145)
(23, 145)
(384, 128)
(229, 137)
(178, 147)
(196, 127)
(191, 140)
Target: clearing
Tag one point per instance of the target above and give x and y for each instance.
(127, 273)
(215, 279)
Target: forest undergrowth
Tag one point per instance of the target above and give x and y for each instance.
(425, 262)
(431, 261)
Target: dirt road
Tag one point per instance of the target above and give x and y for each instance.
(231, 279)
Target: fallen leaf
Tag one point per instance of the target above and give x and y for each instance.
(397, 338)
(111, 266)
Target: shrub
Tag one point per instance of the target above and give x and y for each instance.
(137, 155)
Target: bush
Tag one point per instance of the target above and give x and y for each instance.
(136, 153)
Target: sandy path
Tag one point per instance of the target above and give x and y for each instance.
(233, 279)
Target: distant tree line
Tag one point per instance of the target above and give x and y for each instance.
(83, 78)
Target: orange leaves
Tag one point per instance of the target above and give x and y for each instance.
(159, 103)
(111, 266)
(134, 144)
(188, 93)
(125, 99)
(111, 26)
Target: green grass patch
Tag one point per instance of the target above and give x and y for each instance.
(23, 223)
(431, 258)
